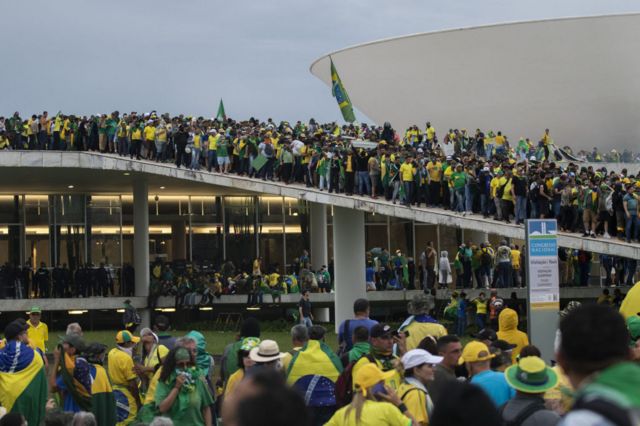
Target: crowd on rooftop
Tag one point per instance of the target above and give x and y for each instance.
(481, 173)
(418, 373)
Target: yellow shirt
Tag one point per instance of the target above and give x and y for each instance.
(161, 134)
(153, 359)
(499, 140)
(481, 306)
(120, 366)
(150, 396)
(149, 133)
(196, 140)
(435, 170)
(38, 335)
(416, 401)
(431, 132)
(515, 259)
(234, 379)
(213, 142)
(136, 134)
(373, 413)
(273, 279)
(507, 189)
(406, 171)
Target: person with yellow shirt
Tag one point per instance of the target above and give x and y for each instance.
(161, 142)
(497, 185)
(149, 139)
(123, 377)
(212, 141)
(196, 148)
(447, 194)
(419, 371)
(122, 136)
(434, 170)
(516, 265)
(38, 332)
(367, 406)
(153, 353)
(136, 140)
(500, 143)
(480, 303)
(430, 134)
(244, 363)
(381, 354)
(57, 124)
(407, 172)
(4, 140)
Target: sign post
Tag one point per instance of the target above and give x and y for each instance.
(543, 301)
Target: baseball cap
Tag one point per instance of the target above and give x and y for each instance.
(380, 330)
(417, 357)
(368, 375)
(475, 352)
(503, 345)
(125, 336)
(249, 343)
(487, 334)
(35, 310)
(75, 341)
(633, 324)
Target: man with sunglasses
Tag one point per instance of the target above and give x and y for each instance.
(38, 332)
(382, 340)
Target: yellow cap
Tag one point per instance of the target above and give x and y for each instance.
(369, 375)
(125, 336)
(475, 352)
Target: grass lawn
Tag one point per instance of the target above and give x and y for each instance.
(216, 340)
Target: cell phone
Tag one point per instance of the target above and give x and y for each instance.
(397, 333)
(378, 389)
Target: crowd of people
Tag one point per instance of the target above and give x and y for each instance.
(468, 173)
(474, 265)
(414, 374)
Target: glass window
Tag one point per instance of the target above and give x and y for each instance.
(270, 228)
(424, 234)
(37, 230)
(401, 236)
(207, 230)
(11, 209)
(240, 235)
(103, 223)
(375, 235)
(296, 213)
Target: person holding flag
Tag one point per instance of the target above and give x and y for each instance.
(23, 382)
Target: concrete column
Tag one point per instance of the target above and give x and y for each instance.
(475, 236)
(349, 261)
(178, 240)
(141, 244)
(318, 234)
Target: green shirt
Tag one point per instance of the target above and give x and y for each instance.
(221, 149)
(188, 405)
(459, 179)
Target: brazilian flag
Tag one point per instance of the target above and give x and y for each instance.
(23, 383)
(338, 92)
(313, 371)
(103, 403)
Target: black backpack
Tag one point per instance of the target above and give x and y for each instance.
(529, 411)
(615, 414)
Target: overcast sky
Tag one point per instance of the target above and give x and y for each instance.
(182, 56)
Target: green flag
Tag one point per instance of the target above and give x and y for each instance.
(221, 116)
(338, 92)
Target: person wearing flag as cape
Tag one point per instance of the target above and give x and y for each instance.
(70, 375)
(23, 382)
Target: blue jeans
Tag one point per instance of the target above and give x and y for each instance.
(461, 325)
(634, 222)
(484, 204)
(555, 206)
(521, 208)
(504, 274)
(468, 199)
(459, 194)
(195, 158)
(212, 159)
(306, 321)
(364, 184)
(481, 319)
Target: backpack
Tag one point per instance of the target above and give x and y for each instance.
(500, 189)
(344, 384)
(268, 150)
(614, 413)
(530, 410)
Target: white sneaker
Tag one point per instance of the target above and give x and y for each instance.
(607, 236)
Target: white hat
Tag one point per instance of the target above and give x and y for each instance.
(417, 357)
(267, 351)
